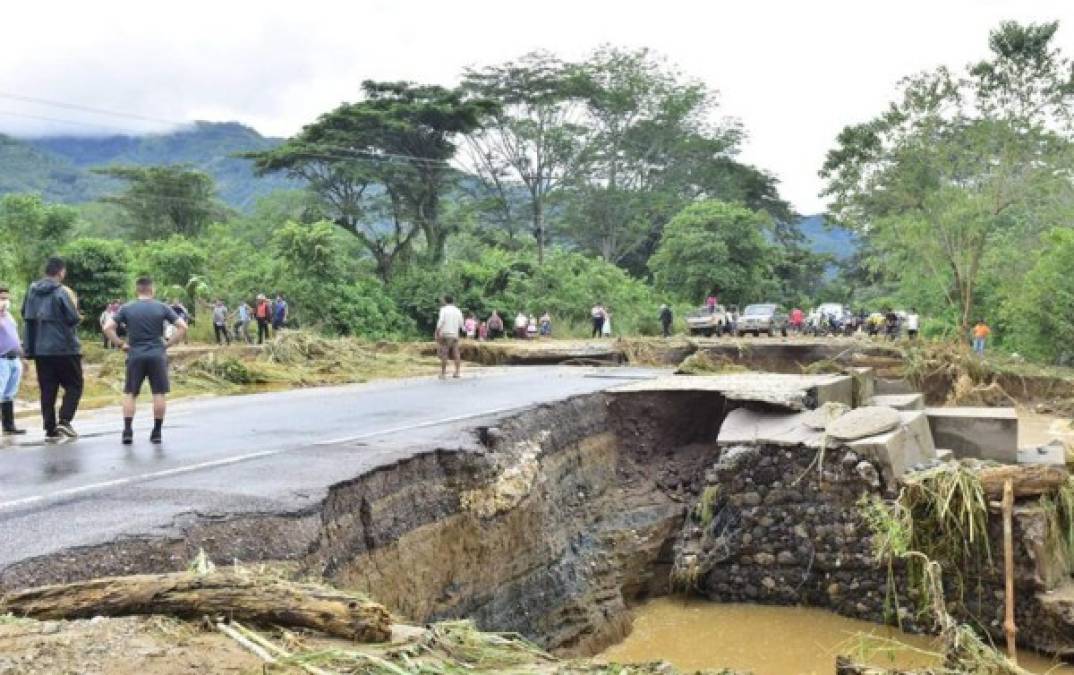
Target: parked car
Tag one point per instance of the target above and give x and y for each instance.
(704, 321)
(763, 318)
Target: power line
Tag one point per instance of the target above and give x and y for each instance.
(176, 123)
(95, 111)
(95, 125)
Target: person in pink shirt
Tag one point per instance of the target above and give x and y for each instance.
(470, 326)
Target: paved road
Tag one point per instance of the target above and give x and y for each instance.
(258, 453)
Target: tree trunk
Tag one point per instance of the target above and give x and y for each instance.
(538, 229)
(242, 597)
(1030, 480)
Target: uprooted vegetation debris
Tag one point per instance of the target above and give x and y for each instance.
(247, 618)
(937, 529)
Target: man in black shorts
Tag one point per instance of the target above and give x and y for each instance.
(146, 349)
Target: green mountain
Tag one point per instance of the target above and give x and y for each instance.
(24, 168)
(59, 166)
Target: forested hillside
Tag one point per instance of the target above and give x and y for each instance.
(546, 185)
(58, 167)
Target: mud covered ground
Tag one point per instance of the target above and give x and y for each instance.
(125, 646)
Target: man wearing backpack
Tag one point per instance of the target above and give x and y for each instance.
(262, 314)
(50, 311)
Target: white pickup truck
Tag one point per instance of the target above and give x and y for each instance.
(708, 322)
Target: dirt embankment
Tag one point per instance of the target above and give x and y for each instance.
(550, 524)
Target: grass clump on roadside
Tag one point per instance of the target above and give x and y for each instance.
(703, 363)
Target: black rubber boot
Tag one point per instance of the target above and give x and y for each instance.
(7, 413)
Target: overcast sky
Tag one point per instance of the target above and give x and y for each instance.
(794, 72)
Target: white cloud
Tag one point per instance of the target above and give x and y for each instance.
(793, 72)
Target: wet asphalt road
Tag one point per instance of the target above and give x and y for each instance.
(261, 453)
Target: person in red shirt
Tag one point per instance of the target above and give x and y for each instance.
(797, 319)
(263, 315)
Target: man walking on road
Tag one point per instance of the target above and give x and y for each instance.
(448, 325)
(50, 311)
(220, 323)
(147, 356)
(10, 364)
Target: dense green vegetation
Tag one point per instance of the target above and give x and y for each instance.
(533, 186)
(956, 188)
(543, 185)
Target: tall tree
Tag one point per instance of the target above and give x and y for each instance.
(32, 231)
(382, 164)
(959, 165)
(714, 246)
(535, 138)
(164, 200)
(653, 148)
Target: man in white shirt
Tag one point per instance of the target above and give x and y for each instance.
(448, 326)
(912, 321)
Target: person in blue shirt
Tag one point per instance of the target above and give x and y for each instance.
(279, 313)
(242, 322)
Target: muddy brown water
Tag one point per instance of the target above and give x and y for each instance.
(768, 640)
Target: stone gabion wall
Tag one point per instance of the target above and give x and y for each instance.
(783, 526)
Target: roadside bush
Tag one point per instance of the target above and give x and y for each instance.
(566, 286)
(98, 271)
(1037, 317)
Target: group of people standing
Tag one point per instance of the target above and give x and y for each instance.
(524, 326)
(264, 312)
(51, 317)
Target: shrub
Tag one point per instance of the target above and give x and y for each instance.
(97, 269)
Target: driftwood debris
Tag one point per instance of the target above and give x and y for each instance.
(1009, 627)
(1029, 480)
(230, 594)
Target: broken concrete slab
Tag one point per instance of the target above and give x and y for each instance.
(745, 427)
(908, 444)
(864, 422)
(983, 433)
(822, 417)
(914, 401)
(791, 392)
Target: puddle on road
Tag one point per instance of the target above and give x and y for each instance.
(694, 634)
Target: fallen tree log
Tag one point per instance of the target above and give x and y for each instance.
(1030, 480)
(257, 599)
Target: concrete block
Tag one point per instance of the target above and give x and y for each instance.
(916, 423)
(898, 450)
(984, 433)
(864, 384)
(900, 401)
(884, 386)
(1049, 453)
(743, 426)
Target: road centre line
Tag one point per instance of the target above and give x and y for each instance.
(179, 470)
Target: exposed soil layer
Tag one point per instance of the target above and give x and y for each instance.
(554, 521)
(548, 524)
